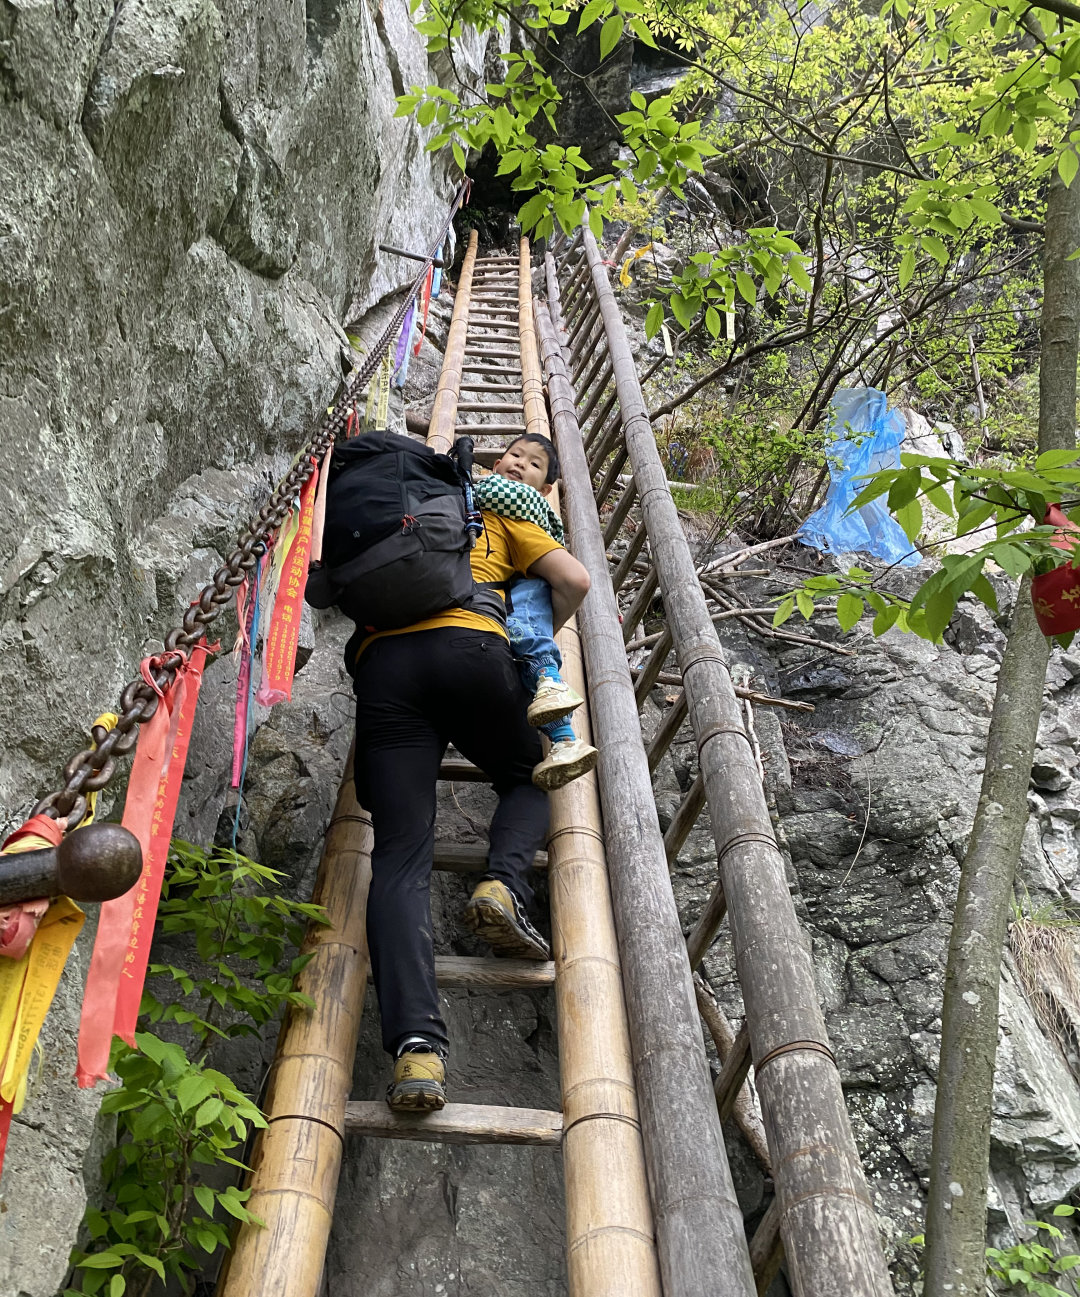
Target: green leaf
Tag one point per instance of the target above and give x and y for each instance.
(910, 517)
(985, 211)
(746, 286)
(936, 249)
(939, 610)
(117, 1285)
(784, 610)
(610, 34)
(210, 1111)
(192, 1090)
(907, 268)
(653, 320)
(849, 610)
(805, 602)
(681, 309)
(234, 1207)
(643, 32)
(459, 155)
(1055, 459)
(712, 321)
(1067, 166)
(101, 1261)
(886, 619)
(798, 274)
(204, 1196)
(1010, 558)
(974, 517)
(590, 14)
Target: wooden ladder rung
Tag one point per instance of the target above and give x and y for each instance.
(472, 349)
(491, 407)
(461, 771)
(457, 1123)
(470, 858)
(488, 455)
(468, 972)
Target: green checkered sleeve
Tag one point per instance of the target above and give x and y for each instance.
(510, 499)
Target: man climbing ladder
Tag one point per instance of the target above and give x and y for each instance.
(449, 679)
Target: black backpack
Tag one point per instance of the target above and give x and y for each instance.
(395, 544)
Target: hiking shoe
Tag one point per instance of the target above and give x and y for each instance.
(552, 700)
(495, 915)
(568, 760)
(418, 1084)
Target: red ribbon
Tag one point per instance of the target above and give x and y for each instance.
(279, 654)
(427, 304)
(6, 1110)
(38, 826)
(126, 925)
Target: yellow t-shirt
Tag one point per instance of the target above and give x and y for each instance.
(508, 547)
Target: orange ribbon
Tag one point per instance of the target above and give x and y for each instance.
(126, 925)
(279, 654)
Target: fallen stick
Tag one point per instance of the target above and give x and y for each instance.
(766, 700)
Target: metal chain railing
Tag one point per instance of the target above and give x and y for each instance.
(92, 768)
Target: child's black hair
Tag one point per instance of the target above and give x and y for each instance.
(548, 446)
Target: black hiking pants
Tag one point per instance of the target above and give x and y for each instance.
(415, 694)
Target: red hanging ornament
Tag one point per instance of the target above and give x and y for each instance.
(1056, 595)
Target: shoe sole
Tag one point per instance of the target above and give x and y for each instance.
(543, 713)
(561, 775)
(416, 1096)
(488, 920)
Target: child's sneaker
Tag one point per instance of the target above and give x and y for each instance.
(495, 915)
(553, 699)
(568, 760)
(419, 1082)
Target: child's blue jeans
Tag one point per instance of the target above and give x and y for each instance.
(532, 642)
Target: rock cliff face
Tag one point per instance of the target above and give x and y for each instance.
(191, 198)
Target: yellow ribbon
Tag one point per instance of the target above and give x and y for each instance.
(624, 273)
(27, 988)
(28, 985)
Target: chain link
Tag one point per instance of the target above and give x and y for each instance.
(92, 768)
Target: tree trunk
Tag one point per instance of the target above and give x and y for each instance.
(959, 1165)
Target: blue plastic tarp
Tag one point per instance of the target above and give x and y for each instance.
(865, 437)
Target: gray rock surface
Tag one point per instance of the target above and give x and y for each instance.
(875, 794)
(191, 196)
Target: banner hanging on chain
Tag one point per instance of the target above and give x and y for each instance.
(37, 948)
(126, 925)
(279, 653)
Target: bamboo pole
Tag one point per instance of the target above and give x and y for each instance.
(827, 1219)
(611, 1249)
(532, 377)
(699, 1231)
(444, 410)
(610, 1243)
(298, 1157)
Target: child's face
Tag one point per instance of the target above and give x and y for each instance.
(526, 462)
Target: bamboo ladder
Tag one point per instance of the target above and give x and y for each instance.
(821, 1217)
(610, 1237)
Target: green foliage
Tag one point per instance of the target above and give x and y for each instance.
(179, 1123)
(242, 936)
(1030, 1266)
(997, 503)
(1021, 1267)
(738, 460)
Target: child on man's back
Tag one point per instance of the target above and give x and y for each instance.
(516, 488)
